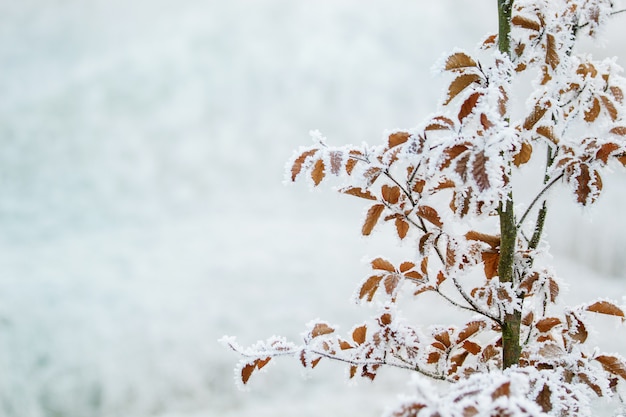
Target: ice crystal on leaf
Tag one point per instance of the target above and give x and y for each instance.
(441, 185)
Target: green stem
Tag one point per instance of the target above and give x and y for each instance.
(511, 322)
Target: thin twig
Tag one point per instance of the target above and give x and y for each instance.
(538, 197)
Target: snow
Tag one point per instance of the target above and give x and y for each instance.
(142, 210)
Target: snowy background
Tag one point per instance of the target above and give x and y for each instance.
(142, 210)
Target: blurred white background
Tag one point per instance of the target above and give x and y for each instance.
(142, 209)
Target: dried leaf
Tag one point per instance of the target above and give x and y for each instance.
(534, 117)
(552, 56)
(459, 84)
(526, 23)
(317, 174)
(605, 151)
(617, 94)
(544, 399)
(546, 324)
(503, 390)
(398, 138)
(443, 337)
(441, 277)
(391, 282)
(593, 112)
(548, 132)
(605, 307)
(619, 130)
(299, 162)
(471, 347)
(470, 329)
(402, 227)
(369, 287)
(353, 370)
(523, 156)
(433, 357)
(343, 345)
(321, 329)
(468, 106)
(373, 214)
(430, 214)
(358, 192)
(390, 194)
(246, 372)
(383, 265)
(405, 266)
(372, 174)
(491, 240)
(452, 153)
(350, 164)
(609, 106)
(479, 171)
(459, 61)
(491, 259)
(485, 122)
(612, 365)
(358, 335)
(576, 328)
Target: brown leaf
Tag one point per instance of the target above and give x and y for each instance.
(440, 123)
(612, 365)
(468, 106)
(315, 361)
(343, 345)
(441, 277)
(246, 372)
(548, 132)
(546, 324)
(433, 357)
(372, 174)
(373, 214)
(491, 259)
(526, 23)
(605, 151)
(405, 266)
(390, 194)
(321, 329)
(398, 138)
(544, 399)
(260, 363)
(358, 335)
(554, 289)
(552, 56)
(459, 84)
(358, 192)
(471, 347)
(353, 370)
(593, 112)
(443, 337)
(609, 106)
(317, 174)
(576, 328)
(391, 283)
(619, 130)
(534, 117)
(605, 307)
(502, 101)
(523, 155)
(402, 227)
(459, 61)
(452, 153)
(369, 287)
(470, 329)
(430, 214)
(383, 265)
(485, 122)
(503, 390)
(617, 94)
(350, 164)
(491, 240)
(299, 162)
(479, 171)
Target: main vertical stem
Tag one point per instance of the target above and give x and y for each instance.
(511, 347)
